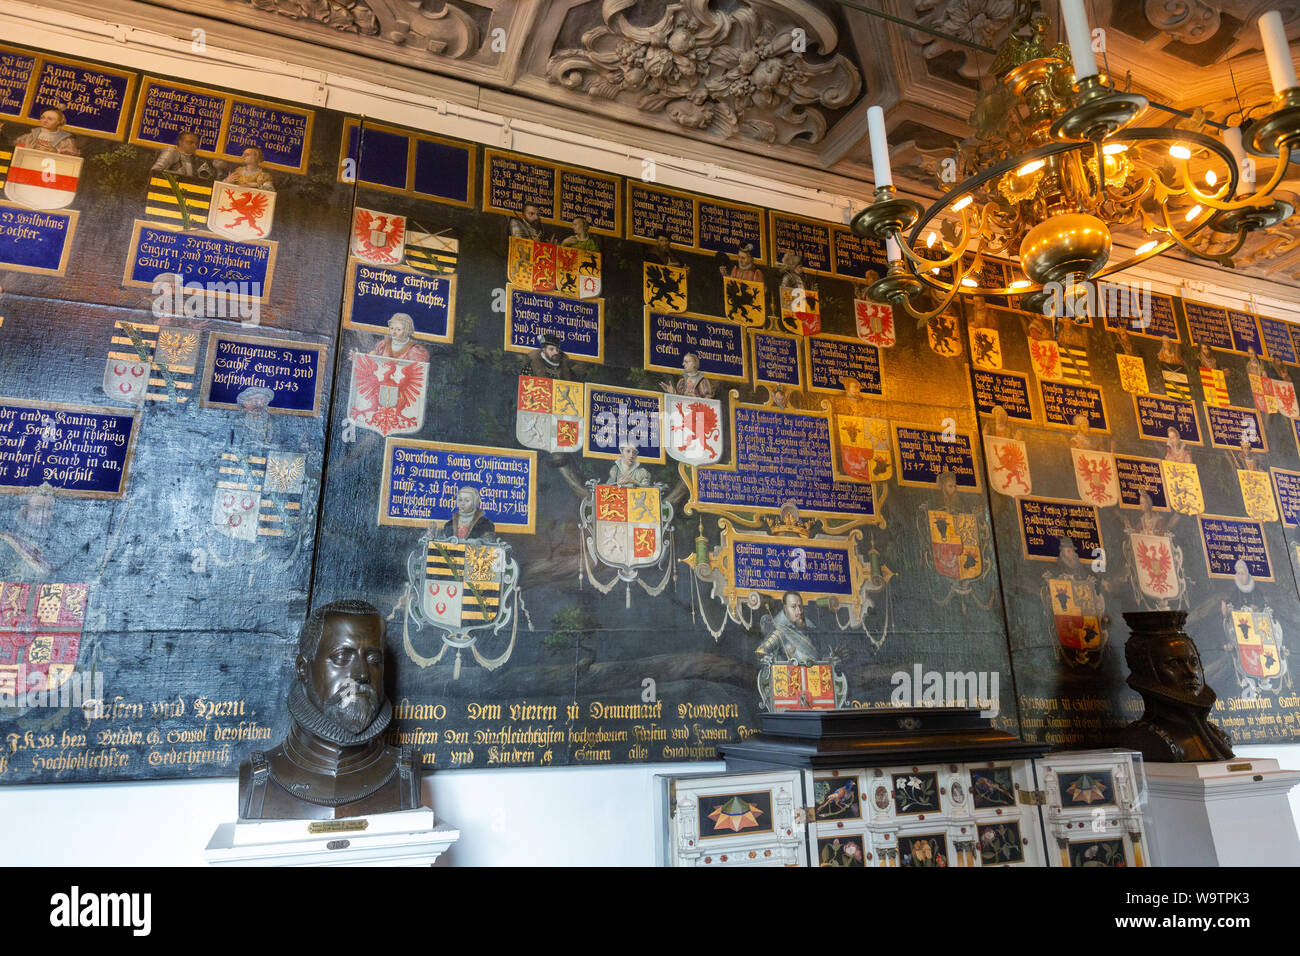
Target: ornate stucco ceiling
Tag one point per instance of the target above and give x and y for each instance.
(779, 87)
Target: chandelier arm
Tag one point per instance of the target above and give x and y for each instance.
(927, 316)
(1172, 231)
(1257, 200)
(960, 245)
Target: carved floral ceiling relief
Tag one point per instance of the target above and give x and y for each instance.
(765, 71)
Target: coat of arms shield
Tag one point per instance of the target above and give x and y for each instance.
(1096, 477)
(378, 237)
(694, 429)
(241, 212)
(1079, 615)
(1183, 487)
(1008, 465)
(1157, 564)
(236, 513)
(463, 584)
(628, 526)
(1258, 641)
(127, 381)
(40, 634)
(954, 542)
(550, 414)
(865, 452)
(42, 180)
(875, 322)
(387, 394)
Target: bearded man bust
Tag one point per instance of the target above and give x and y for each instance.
(334, 763)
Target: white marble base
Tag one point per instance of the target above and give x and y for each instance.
(404, 838)
(1227, 813)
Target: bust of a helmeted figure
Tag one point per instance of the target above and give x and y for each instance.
(334, 761)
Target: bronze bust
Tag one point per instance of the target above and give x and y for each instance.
(1165, 668)
(334, 762)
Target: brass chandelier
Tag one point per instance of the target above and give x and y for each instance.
(1059, 161)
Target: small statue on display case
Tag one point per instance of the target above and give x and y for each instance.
(334, 763)
(1165, 668)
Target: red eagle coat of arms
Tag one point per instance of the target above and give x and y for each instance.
(378, 237)
(388, 394)
(241, 212)
(40, 634)
(1096, 477)
(1153, 557)
(1046, 356)
(875, 323)
(694, 429)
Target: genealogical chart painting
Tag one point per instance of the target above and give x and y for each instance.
(621, 466)
(171, 263)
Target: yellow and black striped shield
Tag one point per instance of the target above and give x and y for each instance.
(462, 584)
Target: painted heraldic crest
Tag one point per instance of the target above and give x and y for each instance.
(127, 381)
(955, 545)
(550, 414)
(1008, 464)
(1078, 613)
(1157, 564)
(694, 429)
(875, 323)
(1260, 661)
(388, 394)
(628, 526)
(241, 212)
(864, 447)
(463, 584)
(236, 513)
(41, 180)
(40, 634)
(378, 237)
(1096, 477)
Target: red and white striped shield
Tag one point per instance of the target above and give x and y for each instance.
(41, 180)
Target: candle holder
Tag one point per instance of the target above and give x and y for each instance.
(896, 286)
(1281, 128)
(886, 216)
(1252, 218)
(1098, 112)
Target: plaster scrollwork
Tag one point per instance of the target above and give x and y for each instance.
(763, 71)
(1188, 21)
(441, 28)
(975, 21)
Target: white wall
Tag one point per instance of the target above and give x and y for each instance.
(563, 816)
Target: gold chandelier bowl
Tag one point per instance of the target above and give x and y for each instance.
(1067, 245)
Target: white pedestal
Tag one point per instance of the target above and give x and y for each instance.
(1229, 813)
(403, 838)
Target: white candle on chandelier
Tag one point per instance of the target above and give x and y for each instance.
(1080, 35)
(1276, 51)
(892, 252)
(1232, 139)
(879, 147)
